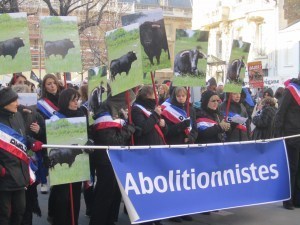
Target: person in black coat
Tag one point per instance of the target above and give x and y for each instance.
(108, 130)
(286, 123)
(14, 162)
(210, 122)
(237, 116)
(264, 120)
(182, 128)
(150, 127)
(146, 116)
(59, 207)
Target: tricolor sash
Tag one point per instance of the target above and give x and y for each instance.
(166, 103)
(204, 123)
(147, 114)
(105, 120)
(176, 115)
(49, 109)
(15, 144)
(237, 118)
(295, 91)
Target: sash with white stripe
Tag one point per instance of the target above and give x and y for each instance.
(166, 103)
(105, 120)
(295, 91)
(176, 115)
(204, 123)
(237, 118)
(148, 114)
(15, 144)
(49, 109)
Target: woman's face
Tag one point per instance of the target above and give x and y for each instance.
(213, 102)
(12, 107)
(236, 97)
(161, 90)
(20, 81)
(73, 104)
(51, 86)
(181, 97)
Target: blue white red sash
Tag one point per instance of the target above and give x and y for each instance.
(237, 118)
(15, 144)
(295, 91)
(48, 109)
(204, 123)
(176, 115)
(105, 120)
(148, 114)
(166, 103)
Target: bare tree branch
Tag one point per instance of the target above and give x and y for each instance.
(53, 12)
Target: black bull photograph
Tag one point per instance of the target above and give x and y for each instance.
(59, 47)
(154, 40)
(10, 47)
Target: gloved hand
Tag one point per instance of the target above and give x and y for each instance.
(184, 124)
(130, 128)
(89, 150)
(36, 146)
(2, 171)
(224, 125)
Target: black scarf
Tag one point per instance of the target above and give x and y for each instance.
(149, 104)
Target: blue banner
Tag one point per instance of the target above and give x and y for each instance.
(159, 183)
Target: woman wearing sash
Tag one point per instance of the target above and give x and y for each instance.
(182, 128)
(210, 122)
(108, 130)
(150, 127)
(59, 207)
(236, 114)
(14, 162)
(48, 103)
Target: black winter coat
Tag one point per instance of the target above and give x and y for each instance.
(264, 123)
(17, 171)
(146, 133)
(176, 133)
(235, 134)
(213, 134)
(287, 118)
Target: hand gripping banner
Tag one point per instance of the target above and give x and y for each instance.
(160, 183)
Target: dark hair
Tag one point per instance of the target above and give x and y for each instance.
(14, 78)
(46, 77)
(279, 92)
(144, 92)
(65, 97)
(83, 91)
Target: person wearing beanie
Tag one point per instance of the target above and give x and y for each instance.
(268, 93)
(210, 122)
(14, 162)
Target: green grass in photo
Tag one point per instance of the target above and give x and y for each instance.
(12, 27)
(68, 132)
(54, 29)
(119, 45)
(184, 42)
(233, 88)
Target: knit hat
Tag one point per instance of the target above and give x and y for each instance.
(7, 96)
(205, 98)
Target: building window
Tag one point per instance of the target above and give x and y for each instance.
(219, 46)
(288, 54)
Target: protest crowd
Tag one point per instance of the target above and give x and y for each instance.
(159, 115)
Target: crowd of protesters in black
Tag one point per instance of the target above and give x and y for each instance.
(152, 124)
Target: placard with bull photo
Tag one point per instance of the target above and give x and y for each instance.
(124, 53)
(61, 44)
(153, 38)
(14, 43)
(67, 165)
(190, 58)
(236, 67)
